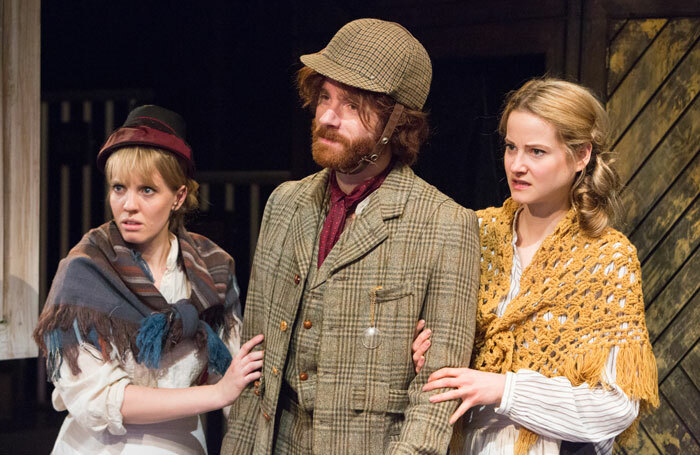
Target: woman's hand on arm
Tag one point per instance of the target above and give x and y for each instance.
(143, 405)
(244, 369)
(421, 343)
(473, 387)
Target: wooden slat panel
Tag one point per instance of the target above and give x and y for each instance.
(674, 296)
(678, 338)
(638, 444)
(691, 365)
(658, 116)
(672, 205)
(653, 83)
(672, 252)
(20, 28)
(614, 28)
(628, 45)
(668, 432)
(658, 61)
(684, 397)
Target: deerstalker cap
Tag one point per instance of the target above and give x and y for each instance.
(153, 126)
(378, 56)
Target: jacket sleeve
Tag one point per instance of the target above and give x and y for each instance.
(449, 309)
(244, 414)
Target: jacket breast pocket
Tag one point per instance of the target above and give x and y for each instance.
(392, 311)
(391, 293)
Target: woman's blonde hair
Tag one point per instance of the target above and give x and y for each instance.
(143, 161)
(579, 119)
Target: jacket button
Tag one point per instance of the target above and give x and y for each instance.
(275, 371)
(307, 324)
(266, 415)
(283, 326)
(297, 279)
(257, 392)
(256, 384)
(303, 376)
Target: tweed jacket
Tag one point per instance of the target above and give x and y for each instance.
(422, 249)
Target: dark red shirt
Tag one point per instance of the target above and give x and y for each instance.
(341, 206)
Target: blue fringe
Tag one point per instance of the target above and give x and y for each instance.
(54, 359)
(150, 339)
(219, 356)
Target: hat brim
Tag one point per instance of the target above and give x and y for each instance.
(146, 136)
(327, 67)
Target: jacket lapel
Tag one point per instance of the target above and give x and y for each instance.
(306, 219)
(369, 228)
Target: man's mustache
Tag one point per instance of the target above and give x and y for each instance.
(325, 132)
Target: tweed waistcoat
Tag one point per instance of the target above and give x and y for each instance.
(302, 357)
(304, 347)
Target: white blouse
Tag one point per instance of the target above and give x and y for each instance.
(550, 407)
(94, 398)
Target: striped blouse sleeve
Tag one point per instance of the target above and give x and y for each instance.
(554, 408)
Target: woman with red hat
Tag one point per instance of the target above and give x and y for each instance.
(141, 310)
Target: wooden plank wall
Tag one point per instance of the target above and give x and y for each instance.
(652, 91)
(20, 176)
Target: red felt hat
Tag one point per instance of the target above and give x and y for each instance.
(152, 126)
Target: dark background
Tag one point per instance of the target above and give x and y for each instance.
(228, 68)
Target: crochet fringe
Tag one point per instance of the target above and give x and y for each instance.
(637, 376)
(636, 373)
(526, 439)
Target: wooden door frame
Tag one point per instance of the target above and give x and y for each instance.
(597, 16)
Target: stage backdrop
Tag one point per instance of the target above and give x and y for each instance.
(652, 87)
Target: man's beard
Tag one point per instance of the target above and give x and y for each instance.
(328, 156)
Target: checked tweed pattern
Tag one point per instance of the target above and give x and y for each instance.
(378, 56)
(422, 248)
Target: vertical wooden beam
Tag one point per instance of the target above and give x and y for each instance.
(572, 58)
(594, 46)
(20, 127)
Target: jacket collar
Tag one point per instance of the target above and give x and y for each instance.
(368, 228)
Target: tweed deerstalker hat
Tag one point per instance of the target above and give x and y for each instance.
(378, 56)
(152, 126)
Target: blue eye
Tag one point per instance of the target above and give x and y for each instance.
(148, 190)
(510, 147)
(117, 187)
(538, 152)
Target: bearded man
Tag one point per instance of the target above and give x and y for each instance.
(349, 259)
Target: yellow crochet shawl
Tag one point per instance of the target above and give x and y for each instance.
(592, 284)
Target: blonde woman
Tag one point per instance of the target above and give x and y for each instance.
(561, 351)
(142, 311)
